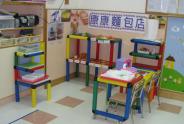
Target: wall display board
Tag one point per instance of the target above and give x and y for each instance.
(166, 6)
(173, 71)
(55, 26)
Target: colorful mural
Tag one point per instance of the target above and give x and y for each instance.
(173, 69)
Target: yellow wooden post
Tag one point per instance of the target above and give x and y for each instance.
(49, 95)
(67, 48)
(42, 57)
(33, 96)
(134, 60)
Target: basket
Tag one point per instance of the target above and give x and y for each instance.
(5, 42)
(34, 39)
(22, 40)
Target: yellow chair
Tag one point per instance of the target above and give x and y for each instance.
(151, 86)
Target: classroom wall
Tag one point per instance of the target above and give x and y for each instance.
(56, 56)
(111, 5)
(55, 4)
(114, 5)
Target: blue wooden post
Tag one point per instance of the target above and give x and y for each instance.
(128, 102)
(88, 50)
(135, 47)
(67, 70)
(119, 49)
(17, 94)
(109, 91)
(96, 72)
(88, 61)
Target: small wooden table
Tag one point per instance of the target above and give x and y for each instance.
(117, 82)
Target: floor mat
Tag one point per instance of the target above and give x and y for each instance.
(39, 117)
(170, 108)
(70, 101)
(90, 90)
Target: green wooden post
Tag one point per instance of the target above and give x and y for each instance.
(95, 95)
(77, 70)
(16, 61)
(87, 75)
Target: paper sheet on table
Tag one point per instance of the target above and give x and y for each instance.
(119, 74)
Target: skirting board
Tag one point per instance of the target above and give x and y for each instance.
(11, 98)
(61, 79)
(171, 95)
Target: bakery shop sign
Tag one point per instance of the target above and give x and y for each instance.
(118, 21)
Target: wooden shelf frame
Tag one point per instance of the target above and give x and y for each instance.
(21, 3)
(21, 28)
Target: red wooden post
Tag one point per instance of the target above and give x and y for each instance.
(78, 47)
(111, 54)
(97, 51)
(161, 52)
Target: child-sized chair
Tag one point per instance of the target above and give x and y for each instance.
(136, 102)
(152, 87)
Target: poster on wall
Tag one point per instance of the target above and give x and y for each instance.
(55, 31)
(65, 15)
(136, 23)
(78, 17)
(52, 32)
(173, 70)
(55, 26)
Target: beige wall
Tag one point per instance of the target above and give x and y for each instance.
(114, 5)
(56, 56)
(55, 4)
(7, 72)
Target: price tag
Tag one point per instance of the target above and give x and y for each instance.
(105, 66)
(104, 41)
(77, 61)
(91, 64)
(97, 65)
(83, 62)
(70, 60)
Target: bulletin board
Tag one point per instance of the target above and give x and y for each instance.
(166, 6)
(173, 69)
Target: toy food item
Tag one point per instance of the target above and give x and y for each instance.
(82, 56)
(144, 50)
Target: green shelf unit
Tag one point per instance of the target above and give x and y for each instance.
(31, 66)
(144, 55)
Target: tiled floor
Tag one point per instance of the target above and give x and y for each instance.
(70, 101)
(81, 113)
(90, 90)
